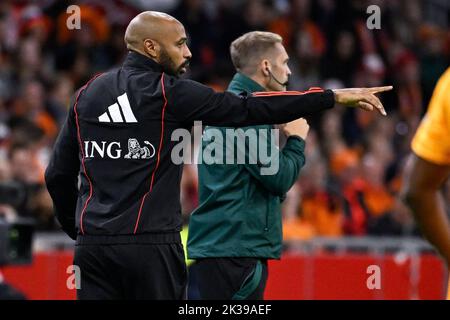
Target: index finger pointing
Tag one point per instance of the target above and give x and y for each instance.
(380, 89)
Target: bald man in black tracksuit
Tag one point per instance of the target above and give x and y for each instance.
(125, 211)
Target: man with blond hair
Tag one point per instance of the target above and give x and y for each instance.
(237, 226)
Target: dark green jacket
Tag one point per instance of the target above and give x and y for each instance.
(240, 209)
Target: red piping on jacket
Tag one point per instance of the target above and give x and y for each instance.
(82, 152)
(286, 93)
(159, 154)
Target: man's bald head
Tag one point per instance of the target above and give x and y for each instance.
(147, 25)
(160, 37)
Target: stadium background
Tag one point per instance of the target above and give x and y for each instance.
(343, 214)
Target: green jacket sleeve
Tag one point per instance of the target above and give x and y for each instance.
(279, 174)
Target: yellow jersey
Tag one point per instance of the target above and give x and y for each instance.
(432, 139)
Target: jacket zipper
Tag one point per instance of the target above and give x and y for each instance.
(266, 228)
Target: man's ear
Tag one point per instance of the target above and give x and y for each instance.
(151, 47)
(265, 67)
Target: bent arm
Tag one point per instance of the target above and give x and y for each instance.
(423, 183)
(290, 160)
(61, 176)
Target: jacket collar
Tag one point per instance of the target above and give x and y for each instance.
(241, 83)
(139, 61)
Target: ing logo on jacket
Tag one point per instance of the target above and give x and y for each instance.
(113, 150)
(136, 152)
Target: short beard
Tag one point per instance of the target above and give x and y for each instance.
(168, 65)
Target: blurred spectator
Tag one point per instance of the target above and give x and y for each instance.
(318, 210)
(28, 172)
(83, 51)
(193, 16)
(341, 60)
(59, 97)
(31, 105)
(346, 179)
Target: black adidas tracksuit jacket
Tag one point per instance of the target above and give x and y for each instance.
(117, 138)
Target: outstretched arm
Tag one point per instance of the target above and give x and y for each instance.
(189, 101)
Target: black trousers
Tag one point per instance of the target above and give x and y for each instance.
(231, 278)
(131, 271)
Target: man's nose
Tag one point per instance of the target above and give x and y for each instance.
(288, 71)
(187, 53)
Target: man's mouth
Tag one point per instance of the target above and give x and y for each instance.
(183, 67)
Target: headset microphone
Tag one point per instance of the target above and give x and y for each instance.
(276, 80)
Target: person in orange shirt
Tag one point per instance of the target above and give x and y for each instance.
(312, 209)
(430, 168)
